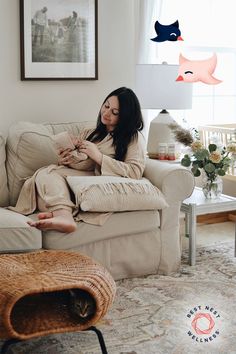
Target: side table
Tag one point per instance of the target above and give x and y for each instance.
(197, 204)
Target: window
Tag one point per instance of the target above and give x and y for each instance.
(207, 27)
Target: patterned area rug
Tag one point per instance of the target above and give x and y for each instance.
(192, 311)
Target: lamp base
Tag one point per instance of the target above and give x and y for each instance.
(159, 132)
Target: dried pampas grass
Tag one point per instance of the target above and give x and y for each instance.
(182, 135)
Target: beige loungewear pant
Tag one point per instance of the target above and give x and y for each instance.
(52, 189)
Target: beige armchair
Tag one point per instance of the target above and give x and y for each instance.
(129, 244)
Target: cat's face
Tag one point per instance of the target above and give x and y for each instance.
(82, 303)
(83, 308)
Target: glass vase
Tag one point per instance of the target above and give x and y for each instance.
(212, 189)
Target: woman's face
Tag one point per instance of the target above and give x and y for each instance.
(110, 113)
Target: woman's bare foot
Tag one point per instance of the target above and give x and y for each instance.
(61, 220)
(58, 223)
(45, 215)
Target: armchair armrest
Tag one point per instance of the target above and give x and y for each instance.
(175, 181)
(4, 193)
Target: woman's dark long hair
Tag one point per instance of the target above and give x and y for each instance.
(129, 123)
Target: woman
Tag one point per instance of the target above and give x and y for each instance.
(114, 148)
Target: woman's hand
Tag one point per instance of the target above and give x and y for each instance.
(75, 140)
(65, 157)
(91, 150)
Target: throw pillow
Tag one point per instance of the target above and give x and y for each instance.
(111, 194)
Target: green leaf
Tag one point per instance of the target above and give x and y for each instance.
(225, 167)
(220, 172)
(196, 172)
(194, 168)
(227, 161)
(209, 167)
(212, 147)
(200, 164)
(201, 154)
(195, 163)
(186, 162)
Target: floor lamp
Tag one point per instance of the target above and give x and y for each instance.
(156, 88)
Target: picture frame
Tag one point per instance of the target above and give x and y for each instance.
(58, 39)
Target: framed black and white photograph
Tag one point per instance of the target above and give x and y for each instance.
(58, 39)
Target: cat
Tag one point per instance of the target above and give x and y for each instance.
(82, 305)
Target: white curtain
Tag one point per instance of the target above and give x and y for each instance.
(148, 11)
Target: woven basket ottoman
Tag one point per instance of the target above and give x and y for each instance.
(27, 282)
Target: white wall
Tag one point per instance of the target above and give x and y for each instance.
(58, 101)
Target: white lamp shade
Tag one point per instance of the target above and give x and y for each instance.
(156, 87)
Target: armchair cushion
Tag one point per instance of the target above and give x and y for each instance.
(4, 195)
(16, 235)
(111, 194)
(29, 147)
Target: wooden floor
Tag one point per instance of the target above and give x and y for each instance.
(217, 217)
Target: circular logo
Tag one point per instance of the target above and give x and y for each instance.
(203, 323)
